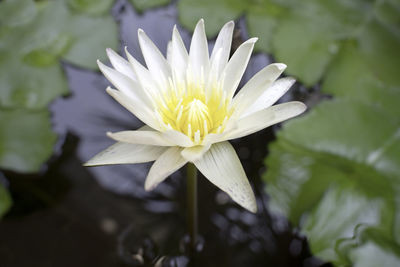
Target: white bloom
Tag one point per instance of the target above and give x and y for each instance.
(188, 104)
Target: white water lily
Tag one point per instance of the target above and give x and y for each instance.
(190, 109)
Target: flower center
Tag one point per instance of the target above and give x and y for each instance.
(195, 120)
(188, 108)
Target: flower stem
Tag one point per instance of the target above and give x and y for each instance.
(192, 203)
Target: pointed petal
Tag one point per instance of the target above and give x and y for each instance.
(256, 86)
(123, 153)
(155, 61)
(222, 167)
(269, 96)
(169, 162)
(233, 72)
(195, 152)
(136, 107)
(222, 44)
(179, 56)
(169, 52)
(144, 76)
(177, 138)
(126, 85)
(266, 117)
(140, 137)
(198, 56)
(120, 64)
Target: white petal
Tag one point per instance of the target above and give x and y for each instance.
(144, 76)
(126, 85)
(123, 153)
(155, 61)
(177, 138)
(195, 152)
(179, 56)
(140, 137)
(138, 109)
(233, 72)
(120, 64)
(210, 139)
(198, 56)
(214, 73)
(222, 44)
(222, 167)
(169, 162)
(266, 117)
(169, 52)
(256, 86)
(270, 96)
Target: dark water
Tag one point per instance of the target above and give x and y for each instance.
(70, 215)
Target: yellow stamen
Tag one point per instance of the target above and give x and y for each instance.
(186, 108)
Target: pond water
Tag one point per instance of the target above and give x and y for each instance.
(69, 215)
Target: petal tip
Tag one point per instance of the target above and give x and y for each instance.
(149, 187)
(252, 40)
(281, 66)
(252, 208)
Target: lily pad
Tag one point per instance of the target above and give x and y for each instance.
(17, 12)
(91, 35)
(142, 5)
(34, 37)
(26, 86)
(26, 139)
(92, 7)
(328, 173)
(310, 32)
(215, 13)
(5, 201)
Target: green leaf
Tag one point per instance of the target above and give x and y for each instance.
(310, 57)
(307, 35)
(26, 139)
(351, 76)
(23, 85)
(92, 36)
(337, 168)
(92, 7)
(142, 5)
(16, 12)
(5, 201)
(215, 13)
(372, 255)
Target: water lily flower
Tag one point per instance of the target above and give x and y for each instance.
(190, 110)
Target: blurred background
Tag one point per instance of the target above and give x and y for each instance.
(327, 183)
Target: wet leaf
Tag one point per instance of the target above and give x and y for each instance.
(16, 12)
(5, 201)
(142, 5)
(310, 33)
(26, 139)
(27, 86)
(215, 13)
(34, 37)
(92, 36)
(92, 7)
(337, 168)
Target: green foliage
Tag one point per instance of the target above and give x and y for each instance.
(310, 32)
(92, 7)
(26, 139)
(34, 37)
(142, 5)
(215, 13)
(335, 172)
(5, 201)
